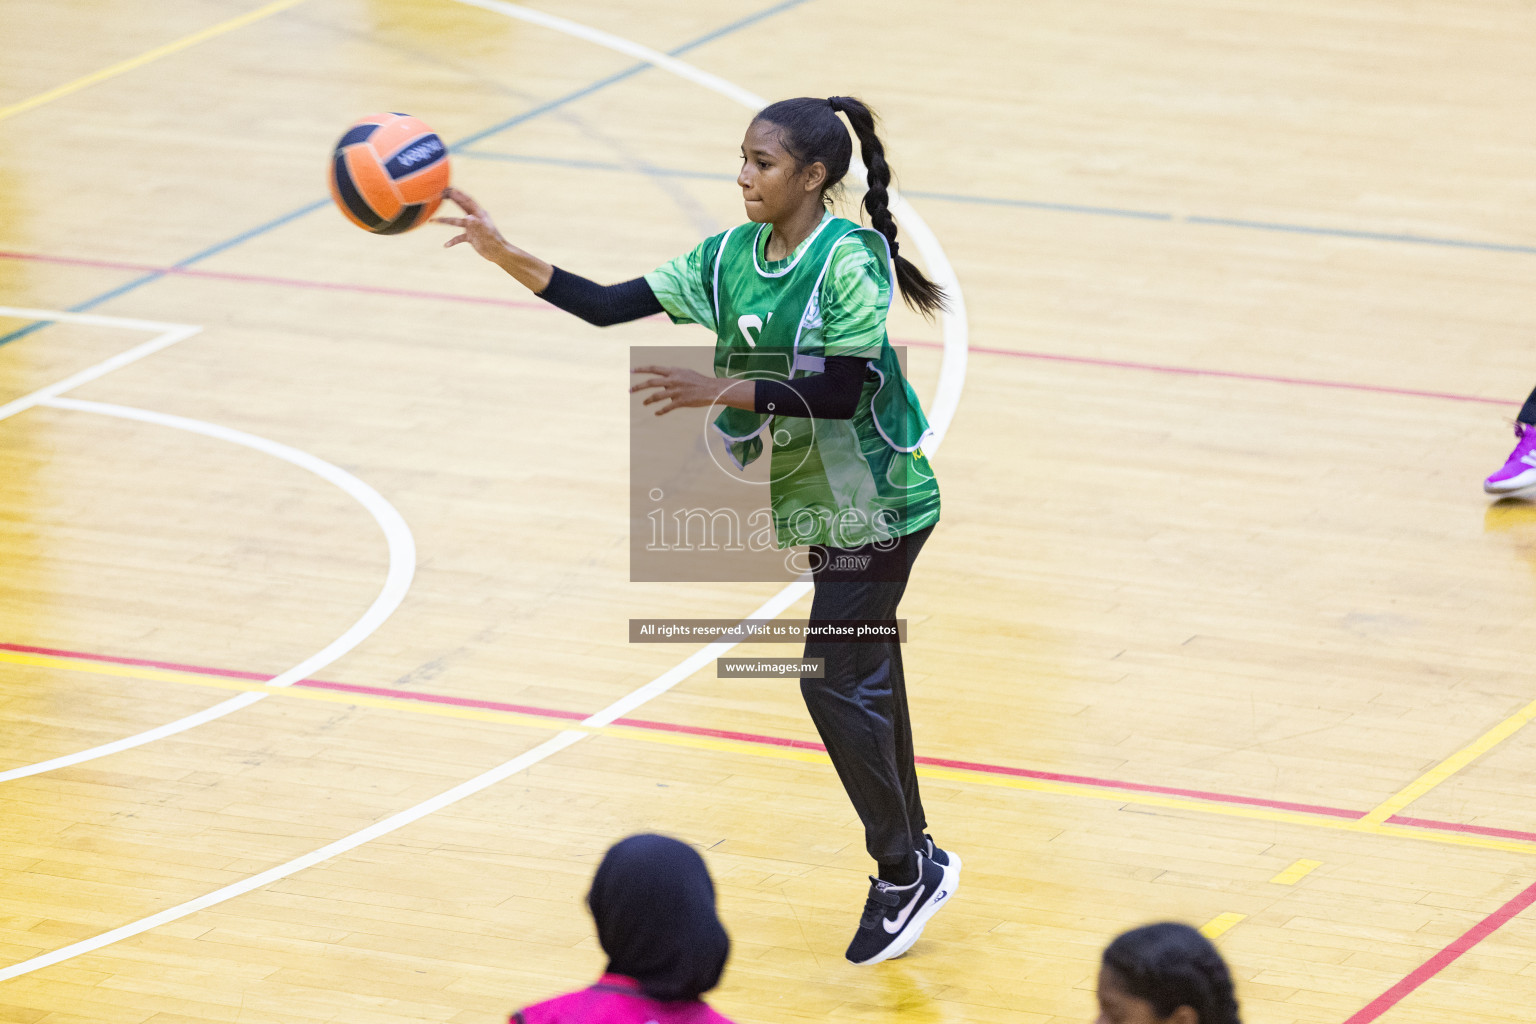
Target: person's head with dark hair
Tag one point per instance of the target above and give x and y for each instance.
(797, 151)
(1165, 974)
(654, 905)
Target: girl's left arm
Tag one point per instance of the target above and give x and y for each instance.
(830, 395)
(681, 388)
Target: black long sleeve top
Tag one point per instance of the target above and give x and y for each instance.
(830, 395)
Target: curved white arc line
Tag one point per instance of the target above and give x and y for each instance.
(682, 69)
(402, 567)
(955, 324)
(770, 609)
(954, 336)
(90, 319)
(174, 333)
(662, 683)
(397, 535)
(160, 732)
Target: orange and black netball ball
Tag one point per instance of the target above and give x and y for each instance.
(388, 173)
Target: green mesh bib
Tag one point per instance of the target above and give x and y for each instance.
(843, 483)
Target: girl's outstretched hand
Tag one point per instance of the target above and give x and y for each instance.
(682, 389)
(479, 230)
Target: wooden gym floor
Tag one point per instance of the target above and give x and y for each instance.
(1217, 626)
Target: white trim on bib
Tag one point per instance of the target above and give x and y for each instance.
(801, 249)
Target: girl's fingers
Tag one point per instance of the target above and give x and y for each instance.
(462, 199)
(458, 222)
(455, 241)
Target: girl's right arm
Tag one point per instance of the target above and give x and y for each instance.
(594, 303)
(480, 232)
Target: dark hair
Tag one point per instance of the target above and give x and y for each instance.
(654, 906)
(810, 132)
(1172, 965)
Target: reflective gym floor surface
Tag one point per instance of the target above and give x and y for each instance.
(316, 696)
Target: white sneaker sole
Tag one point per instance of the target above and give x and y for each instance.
(1514, 483)
(942, 895)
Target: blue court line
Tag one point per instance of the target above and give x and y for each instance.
(1374, 236)
(1037, 204)
(678, 172)
(629, 72)
(1032, 204)
(594, 165)
(528, 115)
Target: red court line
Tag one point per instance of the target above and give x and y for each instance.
(287, 282)
(784, 741)
(1371, 1012)
(694, 730)
(721, 734)
(1451, 826)
(202, 670)
(1141, 787)
(1054, 357)
(1193, 371)
(311, 684)
(434, 698)
(1443, 959)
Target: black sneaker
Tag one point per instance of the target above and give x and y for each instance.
(943, 858)
(894, 916)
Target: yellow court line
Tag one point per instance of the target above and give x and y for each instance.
(1296, 872)
(145, 58)
(1220, 924)
(1233, 810)
(1451, 765)
(330, 696)
(106, 668)
(722, 745)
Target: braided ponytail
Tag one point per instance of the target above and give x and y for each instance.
(919, 292)
(811, 132)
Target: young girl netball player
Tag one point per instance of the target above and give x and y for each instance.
(854, 485)
(1519, 471)
(1165, 974)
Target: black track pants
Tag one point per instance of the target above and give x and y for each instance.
(860, 707)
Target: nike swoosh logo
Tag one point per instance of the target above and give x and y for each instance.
(892, 927)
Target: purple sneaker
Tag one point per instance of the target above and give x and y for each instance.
(1520, 471)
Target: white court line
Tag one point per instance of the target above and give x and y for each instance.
(951, 382)
(655, 58)
(402, 567)
(771, 609)
(170, 334)
(397, 535)
(946, 401)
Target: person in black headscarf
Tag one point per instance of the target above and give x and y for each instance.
(654, 905)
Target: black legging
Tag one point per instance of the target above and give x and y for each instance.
(1528, 410)
(860, 706)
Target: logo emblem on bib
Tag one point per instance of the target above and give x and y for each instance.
(747, 323)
